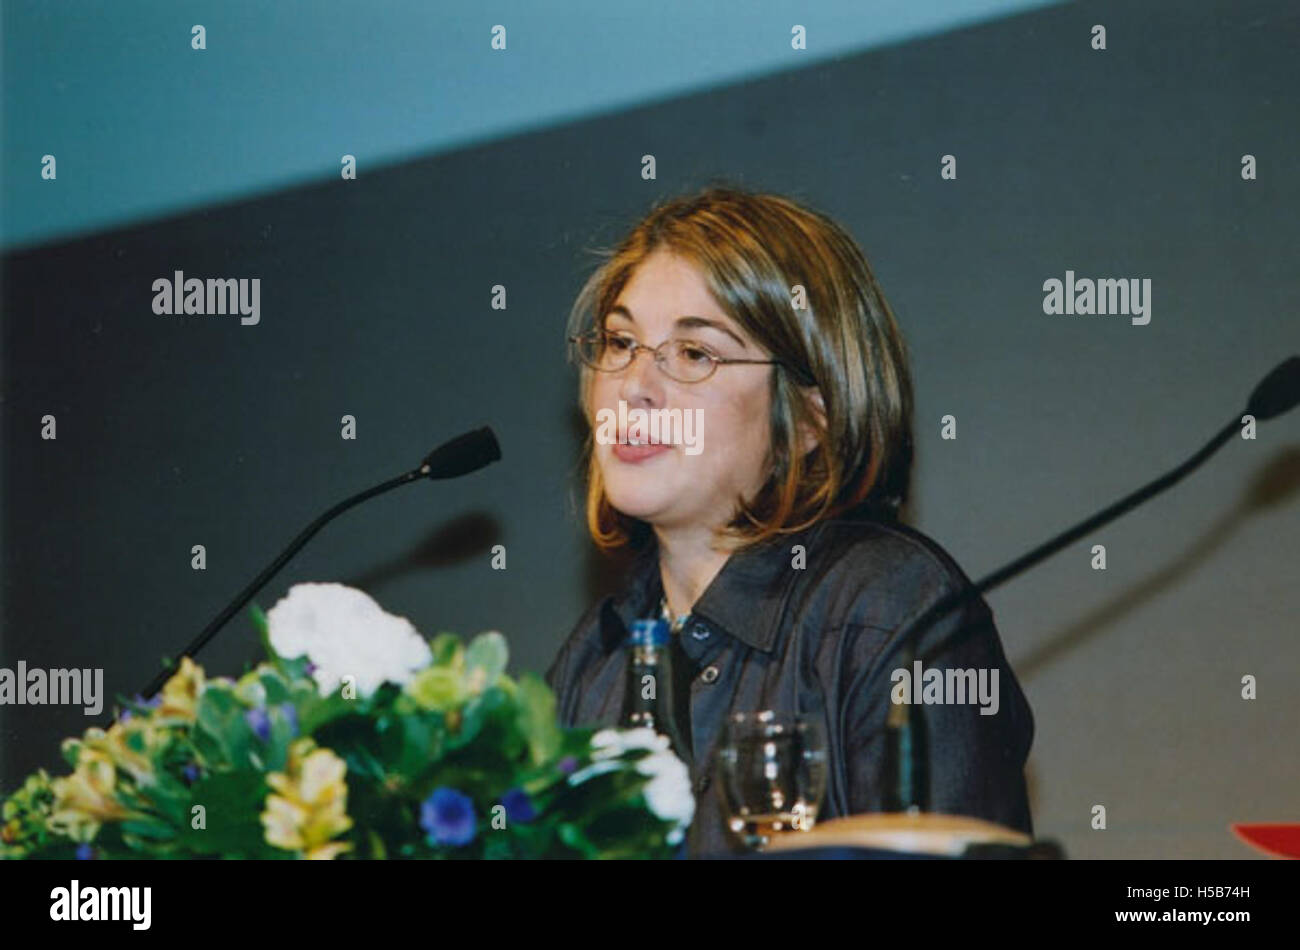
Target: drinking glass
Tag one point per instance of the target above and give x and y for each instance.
(773, 772)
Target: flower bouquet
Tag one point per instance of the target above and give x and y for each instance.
(356, 738)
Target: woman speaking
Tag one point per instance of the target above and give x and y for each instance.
(771, 540)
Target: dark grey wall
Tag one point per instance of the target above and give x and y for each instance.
(175, 431)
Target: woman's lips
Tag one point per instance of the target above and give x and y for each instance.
(625, 452)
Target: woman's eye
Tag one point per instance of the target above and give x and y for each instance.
(696, 354)
(619, 344)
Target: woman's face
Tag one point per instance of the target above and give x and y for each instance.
(668, 486)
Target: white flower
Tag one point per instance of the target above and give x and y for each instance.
(668, 793)
(591, 771)
(345, 633)
(609, 743)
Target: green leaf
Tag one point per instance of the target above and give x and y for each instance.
(572, 836)
(71, 751)
(487, 652)
(498, 845)
(171, 798)
(220, 717)
(422, 739)
(232, 807)
(258, 616)
(537, 718)
(447, 649)
(147, 828)
(277, 688)
(275, 751)
(490, 722)
(316, 711)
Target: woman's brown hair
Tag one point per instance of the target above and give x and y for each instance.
(754, 252)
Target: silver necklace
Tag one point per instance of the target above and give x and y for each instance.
(674, 625)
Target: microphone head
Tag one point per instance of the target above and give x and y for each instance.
(1278, 392)
(463, 454)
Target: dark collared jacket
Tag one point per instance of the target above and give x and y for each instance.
(820, 638)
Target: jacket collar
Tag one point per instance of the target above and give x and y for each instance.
(745, 600)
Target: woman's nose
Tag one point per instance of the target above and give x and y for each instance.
(642, 380)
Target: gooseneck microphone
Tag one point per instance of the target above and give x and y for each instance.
(1279, 392)
(460, 456)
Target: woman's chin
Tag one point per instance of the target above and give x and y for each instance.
(642, 512)
(646, 505)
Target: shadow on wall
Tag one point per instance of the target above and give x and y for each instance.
(1274, 483)
(461, 539)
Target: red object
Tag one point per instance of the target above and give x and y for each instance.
(1278, 840)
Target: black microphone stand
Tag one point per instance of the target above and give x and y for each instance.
(1277, 393)
(461, 455)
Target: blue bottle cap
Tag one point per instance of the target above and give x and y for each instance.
(648, 632)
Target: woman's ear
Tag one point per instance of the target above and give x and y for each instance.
(809, 435)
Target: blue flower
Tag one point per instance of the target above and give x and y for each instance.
(519, 807)
(85, 852)
(259, 722)
(290, 716)
(141, 701)
(191, 772)
(568, 764)
(448, 817)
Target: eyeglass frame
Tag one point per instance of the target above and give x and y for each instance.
(637, 346)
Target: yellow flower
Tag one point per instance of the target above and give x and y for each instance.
(84, 800)
(283, 821)
(117, 744)
(9, 833)
(180, 695)
(25, 815)
(311, 805)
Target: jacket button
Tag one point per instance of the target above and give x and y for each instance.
(710, 674)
